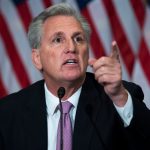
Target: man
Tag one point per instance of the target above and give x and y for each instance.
(107, 113)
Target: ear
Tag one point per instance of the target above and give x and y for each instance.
(36, 59)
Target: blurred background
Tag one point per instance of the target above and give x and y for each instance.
(126, 21)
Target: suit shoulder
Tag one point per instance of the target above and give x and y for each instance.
(90, 77)
(20, 96)
(134, 89)
(91, 82)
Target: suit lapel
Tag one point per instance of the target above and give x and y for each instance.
(83, 129)
(35, 118)
(92, 117)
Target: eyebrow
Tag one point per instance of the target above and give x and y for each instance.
(78, 33)
(58, 33)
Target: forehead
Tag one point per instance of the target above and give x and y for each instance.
(62, 23)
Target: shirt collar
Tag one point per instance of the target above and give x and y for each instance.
(52, 101)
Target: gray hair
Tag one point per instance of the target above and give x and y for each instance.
(35, 28)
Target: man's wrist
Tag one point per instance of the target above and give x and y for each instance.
(126, 112)
(121, 99)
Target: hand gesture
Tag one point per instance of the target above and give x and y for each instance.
(108, 72)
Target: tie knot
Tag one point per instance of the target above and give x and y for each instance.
(66, 106)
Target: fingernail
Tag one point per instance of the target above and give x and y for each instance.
(114, 43)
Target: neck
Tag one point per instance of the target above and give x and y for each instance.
(70, 87)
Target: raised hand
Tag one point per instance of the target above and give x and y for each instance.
(108, 72)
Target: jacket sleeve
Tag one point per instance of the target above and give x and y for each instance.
(139, 128)
(135, 90)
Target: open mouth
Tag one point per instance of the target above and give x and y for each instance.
(71, 61)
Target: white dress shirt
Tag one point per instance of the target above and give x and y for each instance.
(53, 116)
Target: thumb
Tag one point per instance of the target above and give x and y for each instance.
(115, 51)
(91, 61)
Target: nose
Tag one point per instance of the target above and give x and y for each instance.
(70, 46)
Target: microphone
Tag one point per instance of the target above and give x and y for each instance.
(60, 94)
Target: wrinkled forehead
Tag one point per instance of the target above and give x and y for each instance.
(62, 24)
(62, 20)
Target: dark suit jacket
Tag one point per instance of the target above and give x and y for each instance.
(23, 120)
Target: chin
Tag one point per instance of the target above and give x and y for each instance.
(74, 76)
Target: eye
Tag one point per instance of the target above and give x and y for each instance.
(58, 39)
(79, 39)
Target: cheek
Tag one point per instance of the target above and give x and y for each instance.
(48, 56)
(50, 60)
(45, 58)
(85, 55)
(84, 58)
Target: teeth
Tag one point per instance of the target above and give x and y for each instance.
(71, 61)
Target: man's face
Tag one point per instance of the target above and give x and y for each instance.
(63, 54)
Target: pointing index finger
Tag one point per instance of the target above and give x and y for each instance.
(115, 50)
